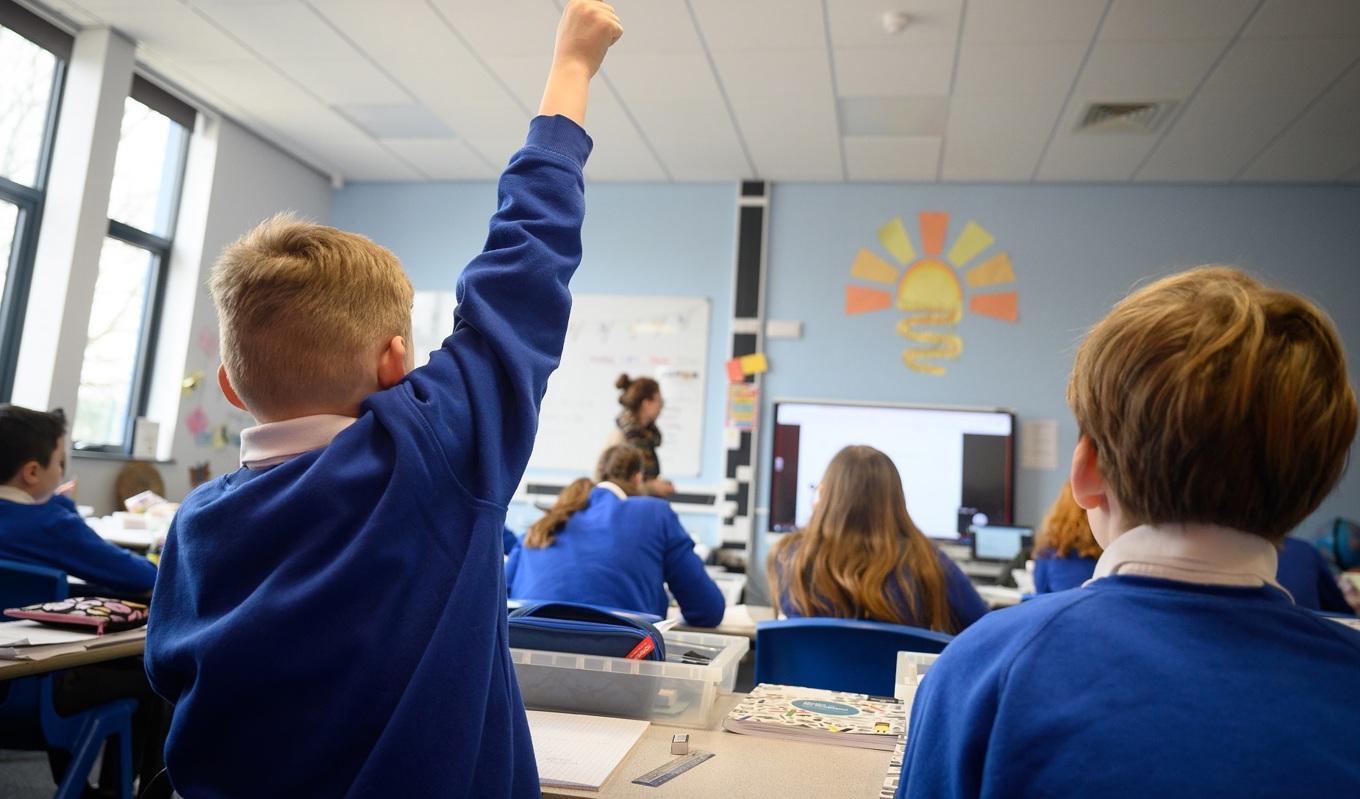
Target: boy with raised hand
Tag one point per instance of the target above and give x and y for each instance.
(1215, 414)
(330, 619)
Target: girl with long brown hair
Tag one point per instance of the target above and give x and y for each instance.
(862, 557)
(601, 544)
(1065, 550)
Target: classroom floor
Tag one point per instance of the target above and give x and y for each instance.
(25, 775)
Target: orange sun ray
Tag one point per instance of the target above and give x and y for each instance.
(861, 300)
(934, 226)
(1004, 306)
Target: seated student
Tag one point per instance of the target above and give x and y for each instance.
(1215, 414)
(330, 618)
(1065, 551)
(45, 529)
(862, 557)
(1305, 575)
(509, 541)
(601, 544)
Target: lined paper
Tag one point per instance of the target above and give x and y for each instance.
(575, 751)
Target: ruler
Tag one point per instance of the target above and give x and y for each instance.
(664, 774)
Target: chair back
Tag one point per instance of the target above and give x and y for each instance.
(838, 654)
(26, 584)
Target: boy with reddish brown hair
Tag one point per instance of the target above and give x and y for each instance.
(1215, 414)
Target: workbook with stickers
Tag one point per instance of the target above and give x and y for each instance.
(811, 714)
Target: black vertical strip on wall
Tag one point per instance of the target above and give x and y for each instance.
(753, 188)
(750, 239)
(743, 344)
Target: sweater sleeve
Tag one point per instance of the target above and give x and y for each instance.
(511, 569)
(1042, 571)
(481, 391)
(964, 601)
(700, 599)
(80, 552)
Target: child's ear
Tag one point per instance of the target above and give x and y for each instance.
(225, 383)
(1088, 483)
(29, 473)
(392, 363)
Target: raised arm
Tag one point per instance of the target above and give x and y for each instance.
(482, 390)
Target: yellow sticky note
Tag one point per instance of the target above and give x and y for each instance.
(219, 436)
(755, 364)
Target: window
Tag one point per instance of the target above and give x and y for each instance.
(143, 201)
(32, 57)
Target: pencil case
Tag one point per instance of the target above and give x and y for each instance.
(94, 614)
(585, 630)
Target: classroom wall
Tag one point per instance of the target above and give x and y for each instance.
(241, 181)
(664, 239)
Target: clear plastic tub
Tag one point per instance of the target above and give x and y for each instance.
(911, 667)
(679, 694)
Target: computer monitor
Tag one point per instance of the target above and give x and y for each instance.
(956, 464)
(1000, 543)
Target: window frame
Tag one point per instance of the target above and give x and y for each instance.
(30, 201)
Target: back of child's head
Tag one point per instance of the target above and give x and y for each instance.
(619, 464)
(305, 312)
(1210, 398)
(27, 435)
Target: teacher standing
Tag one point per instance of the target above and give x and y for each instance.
(636, 427)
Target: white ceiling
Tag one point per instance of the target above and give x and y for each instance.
(971, 90)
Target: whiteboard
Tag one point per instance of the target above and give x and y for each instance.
(665, 338)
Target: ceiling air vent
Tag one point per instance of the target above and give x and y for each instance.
(1124, 117)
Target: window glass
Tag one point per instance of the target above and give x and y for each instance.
(9, 218)
(25, 95)
(146, 171)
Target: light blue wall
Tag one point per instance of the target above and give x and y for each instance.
(672, 240)
(1076, 250)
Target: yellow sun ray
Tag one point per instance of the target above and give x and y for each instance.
(991, 272)
(973, 240)
(893, 236)
(868, 266)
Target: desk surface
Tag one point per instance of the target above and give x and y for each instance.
(738, 620)
(745, 766)
(76, 655)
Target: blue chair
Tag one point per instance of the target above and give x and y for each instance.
(838, 654)
(28, 716)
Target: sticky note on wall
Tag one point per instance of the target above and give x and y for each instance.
(755, 364)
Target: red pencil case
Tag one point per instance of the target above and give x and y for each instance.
(95, 614)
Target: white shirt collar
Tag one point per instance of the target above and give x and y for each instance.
(613, 489)
(273, 443)
(18, 495)
(1192, 553)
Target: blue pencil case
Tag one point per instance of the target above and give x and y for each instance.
(585, 630)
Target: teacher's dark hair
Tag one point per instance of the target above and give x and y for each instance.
(635, 391)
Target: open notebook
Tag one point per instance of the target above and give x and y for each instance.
(575, 751)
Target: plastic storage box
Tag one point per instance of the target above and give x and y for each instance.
(679, 694)
(911, 667)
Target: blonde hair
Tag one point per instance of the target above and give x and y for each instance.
(859, 541)
(1065, 529)
(618, 464)
(1211, 398)
(304, 309)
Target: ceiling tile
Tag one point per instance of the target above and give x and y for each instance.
(1093, 157)
(888, 158)
(169, 27)
(997, 138)
(791, 139)
(1281, 65)
(1006, 69)
(503, 27)
(441, 159)
(280, 31)
(893, 116)
(1304, 157)
(1125, 70)
(352, 80)
(1218, 134)
(759, 24)
(1338, 111)
(525, 75)
(895, 71)
(775, 73)
(696, 140)
(661, 76)
(664, 27)
(1032, 21)
(403, 121)
(1170, 20)
(619, 153)
(1326, 18)
(858, 23)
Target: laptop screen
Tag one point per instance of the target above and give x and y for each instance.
(999, 543)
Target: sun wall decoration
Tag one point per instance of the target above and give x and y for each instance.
(928, 291)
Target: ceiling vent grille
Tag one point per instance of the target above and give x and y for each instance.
(1124, 117)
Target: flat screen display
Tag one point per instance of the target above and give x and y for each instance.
(998, 542)
(956, 465)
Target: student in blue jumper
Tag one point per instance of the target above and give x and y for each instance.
(1065, 551)
(1214, 415)
(330, 618)
(605, 545)
(862, 557)
(1305, 574)
(41, 527)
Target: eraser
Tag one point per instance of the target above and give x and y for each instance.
(680, 744)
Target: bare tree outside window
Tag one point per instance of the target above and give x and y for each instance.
(25, 92)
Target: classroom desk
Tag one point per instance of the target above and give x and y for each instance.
(119, 645)
(738, 620)
(745, 766)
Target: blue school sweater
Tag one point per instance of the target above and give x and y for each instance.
(964, 602)
(1304, 573)
(335, 625)
(619, 554)
(1141, 687)
(53, 534)
(1061, 573)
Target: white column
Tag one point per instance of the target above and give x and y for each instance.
(75, 219)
